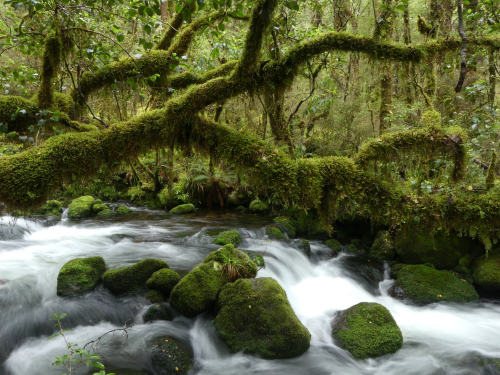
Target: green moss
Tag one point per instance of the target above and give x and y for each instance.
(98, 207)
(183, 209)
(132, 278)
(155, 296)
(17, 112)
(122, 210)
(81, 207)
(486, 273)
(491, 174)
(51, 208)
(105, 214)
(50, 65)
(255, 317)
(157, 312)
(79, 276)
(367, 330)
(383, 247)
(423, 284)
(197, 291)
(228, 237)
(274, 232)
(335, 245)
(286, 224)
(257, 206)
(163, 280)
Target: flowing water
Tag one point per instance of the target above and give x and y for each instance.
(438, 339)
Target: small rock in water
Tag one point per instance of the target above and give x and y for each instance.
(170, 356)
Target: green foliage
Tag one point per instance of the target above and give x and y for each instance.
(423, 284)
(383, 246)
(367, 330)
(255, 317)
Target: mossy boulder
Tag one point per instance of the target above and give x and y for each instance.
(81, 207)
(51, 208)
(255, 317)
(258, 207)
(155, 296)
(383, 246)
(79, 276)
(304, 246)
(105, 214)
(287, 225)
(170, 356)
(334, 245)
(423, 284)
(228, 237)
(197, 291)
(182, 209)
(98, 207)
(486, 274)
(308, 223)
(367, 330)
(131, 278)
(157, 312)
(122, 210)
(442, 250)
(163, 281)
(274, 232)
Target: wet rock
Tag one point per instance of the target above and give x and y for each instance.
(170, 356)
(183, 209)
(81, 207)
(163, 281)
(423, 284)
(274, 232)
(334, 245)
(368, 271)
(158, 312)
(79, 276)
(197, 291)
(286, 225)
(228, 237)
(486, 274)
(367, 330)
(255, 317)
(132, 278)
(304, 246)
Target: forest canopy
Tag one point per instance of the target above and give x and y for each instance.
(383, 110)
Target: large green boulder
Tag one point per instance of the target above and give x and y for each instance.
(442, 250)
(486, 274)
(170, 356)
(197, 291)
(131, 278)
(228, 237)
(81, 207)
(183, 209)
(423, 284)
(367, 330)
(258, 207)
(163, 281)
(255, 317)
(79, 276)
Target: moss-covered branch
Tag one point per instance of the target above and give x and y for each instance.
(173, 28)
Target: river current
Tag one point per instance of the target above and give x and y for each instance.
(441, 338)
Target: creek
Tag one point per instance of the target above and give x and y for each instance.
(442, 338)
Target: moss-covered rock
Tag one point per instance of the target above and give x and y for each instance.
(308, 223)
(305, 247)
(183, 209)
(155, 296)
(170, 356)
(228, 237)
(122, 210)
(157, 312)
(441, 250)
(274, 232)
(486, 274)
(334, 245)
(258, 207)
(98, 207)
(105, 214)
(423, 284)
(255, 317)
(367, 330)
(81, 207)
(163, 281)
(197, 291)
(79, 276)
(286, 224)
(51, 208)
(132, 278)
(383, 246)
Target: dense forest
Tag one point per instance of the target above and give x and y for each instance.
(352, 142)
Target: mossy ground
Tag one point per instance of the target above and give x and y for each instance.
(424, 284)
(367, 330)
(255, 317)
(132, 278)
(79, 276)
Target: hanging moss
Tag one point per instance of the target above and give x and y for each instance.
(50, 66)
